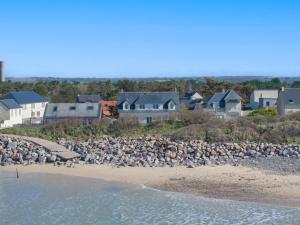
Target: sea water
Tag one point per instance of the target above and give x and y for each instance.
(37, 199)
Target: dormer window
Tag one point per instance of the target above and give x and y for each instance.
(291, 101)
(172, 106)
(126, 106)
(142, 106)
(155, 106)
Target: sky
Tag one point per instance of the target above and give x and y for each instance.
(147, 38)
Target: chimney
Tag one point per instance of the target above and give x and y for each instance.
(2, 78)
(282, 88)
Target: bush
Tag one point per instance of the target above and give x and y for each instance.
(264, 112)
(193, 117)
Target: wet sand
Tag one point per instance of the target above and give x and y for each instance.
(227, 182)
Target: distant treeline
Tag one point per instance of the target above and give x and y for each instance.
(67, 91)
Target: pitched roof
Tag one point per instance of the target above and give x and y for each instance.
(88, 98)
(10, 104)
(220, 97)
(291, 96)
(189, 94)
(73, 110)
(148, 97)
(25, 97)
(265, 93)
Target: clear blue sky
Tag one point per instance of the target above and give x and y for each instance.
(95, 38)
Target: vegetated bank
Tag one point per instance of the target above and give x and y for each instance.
(189, 126)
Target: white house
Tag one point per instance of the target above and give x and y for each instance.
(33, 105)
(10, 113)
(263, 99)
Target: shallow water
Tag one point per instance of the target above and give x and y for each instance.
(49, 199)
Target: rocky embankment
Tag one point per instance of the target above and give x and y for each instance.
(149, 152)
(18, 151)
(160, 152)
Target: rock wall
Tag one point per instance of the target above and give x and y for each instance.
(159, 152)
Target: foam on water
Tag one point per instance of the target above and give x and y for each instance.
(48, 199)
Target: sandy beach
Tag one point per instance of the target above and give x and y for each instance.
(228, 182)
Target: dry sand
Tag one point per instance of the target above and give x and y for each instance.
(229, 182)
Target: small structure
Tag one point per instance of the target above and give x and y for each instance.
(83, 112)
(263, 99)
(288, 101)
(225, 105)
(88, 98)
(109, 107)
(33, 105)
(148, 107)
(10, 113)
(192, 100)
(193, 95)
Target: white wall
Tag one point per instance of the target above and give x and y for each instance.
(257, 94)
(196, 96)
(10, 117)
(290, 111)
(32, 111)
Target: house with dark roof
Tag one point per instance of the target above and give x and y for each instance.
(83, 112)
(147, 107)
(225, 105)
(288, 101)
(88, 98)
(10, 113)
(33, 105)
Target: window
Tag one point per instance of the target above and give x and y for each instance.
(55, 109)
(149, 119)
(126, 106)
(155, 106)
(267, 104)
(72, 108)
(142, 106)
(90, 107)
(172, 105)
(291, 101)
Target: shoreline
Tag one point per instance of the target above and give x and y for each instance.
(222, 182)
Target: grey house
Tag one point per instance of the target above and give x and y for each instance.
(225, 105)
(148, 106)
(84, 112)
(288, 101)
